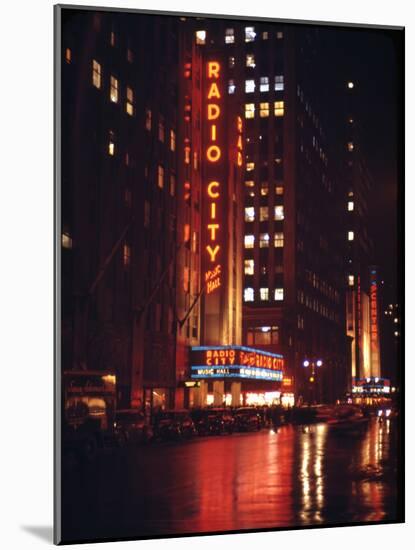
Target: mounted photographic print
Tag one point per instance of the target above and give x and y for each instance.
(229, 259)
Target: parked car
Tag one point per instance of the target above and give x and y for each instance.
(130, 427)
(215, 421)
(227, 419)
(247, 419)
(173, 425)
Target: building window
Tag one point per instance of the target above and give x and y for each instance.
(264, 110)
(279, 83)
(128, 197)
(249, 267)
(350, 146)
(250, 34)
(126, 255)
(264, 188)
(250, 60)
(112, 38)
(351, 280)
(130, 55)
(172, 185)
(350, 85)
(265, 35)
(263, 240)
(263, 213)
(248, 294)
(264, 84)
(111, 143)
(278, 294)
(229, 36)
(250, 166)
(148, 119)
(231, 87)
(249, 86)
(160, 176)
(114, 89)
(66, 240)
(350, 235)
(249, 241)
(146, 213)
(280, 35)
(161, 129)
(172, 140)
(278, 213)
(264, 294)
(96, 74)
(129, 106)
(278, 240)
(68, 55)
(279, 108)
(231, 62)
(350, 206)
(279, 190)
(249, 214)
(201, 37)
(249, 110)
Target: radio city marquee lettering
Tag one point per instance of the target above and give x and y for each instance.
(235, 361)
(213, 187)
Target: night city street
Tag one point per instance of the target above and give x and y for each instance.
(297, 476)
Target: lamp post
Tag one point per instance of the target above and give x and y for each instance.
(312, 364)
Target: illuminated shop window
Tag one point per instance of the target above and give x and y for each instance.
(111, 143)
(264, 84)
(351, 280)
(350, 146)
(249, 110)
(250, 60)
(279, 83)
(96, 74)
(278, 294)
(161, 129)
(231, 62)
(249, 214)
(249, 267)
(264, 110)
(66, 240)
(248, 294)
(279, 190)
(250, 34)
(129, 105)
(201, 37)
(264, 294)
(249, 86)
(160, 176)
(279, 108)
(263, 240)
(126, 255)
(148, 119)
(350, 206)
(229, 36)
(68, 56)
(130, 55)
(231, 86)
(280, 35)
(350, 235)
(278, 213)
(265, 35)
(250, 166)
(172, 140)
(263, 213)
(278, 240)
(114, 89)
(249, 241)
(264, 188)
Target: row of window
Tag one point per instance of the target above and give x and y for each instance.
(249, 240)
(264, 213)
(249, 268)
(264, 294)
(264, 109)
(229, 37)
(262, 335)
(114, 88)
(250, 85)
(264, 188)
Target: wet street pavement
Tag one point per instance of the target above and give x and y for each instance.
(298, 476)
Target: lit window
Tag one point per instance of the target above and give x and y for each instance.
(249, 86)
(231, 62)
(351, 280)
(126, 255)
(161, 129)
(172, 185)
(129, 106)
(278, 212)
(112, 38)
(265, 35)
(201, 37)
(229, 36)
(249, 183)
(250, 166)
(249, 110)
(279, 83)
(264, 84)
(350, 236)
(130, 55)
(172, 140)
(350, 206)
(263, 213)
(248, 294)
(279, 108)
(350, 85)
(250, 34)
(264, 294)
(231, 87)
(148, 119)
(279, 294)
(249, 241)
(96, 74)
(111, 143)
(278, 240)
(350, 146)
(249, 214)
(263, 240)
(280, 35)
(264, 110)
(264, 188)
(68, 56)
(66, 240)
(279, 190)
(114, 89)
(160, 176)
(250, 60)
(249, 267)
